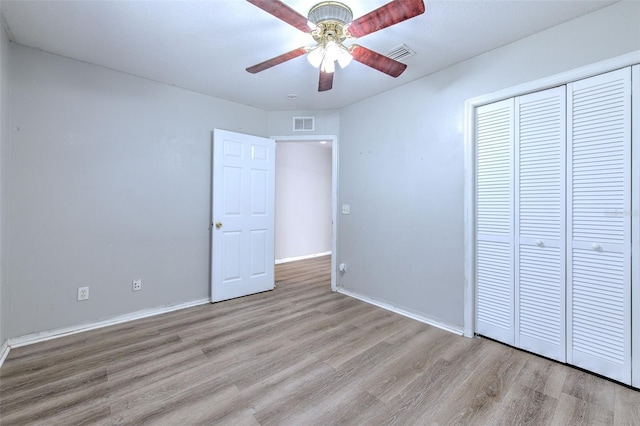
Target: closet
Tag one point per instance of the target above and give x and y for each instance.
(554, 219)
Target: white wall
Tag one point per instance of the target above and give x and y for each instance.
(109, 181)
(4, 119)
(403, 173)
(303, 199)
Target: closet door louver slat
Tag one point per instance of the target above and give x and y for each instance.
(494, 221)
(599, 224)
(540, 144)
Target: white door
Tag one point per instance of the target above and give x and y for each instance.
(540, 134)
(494, 221)
(242, 215)
(599, 224)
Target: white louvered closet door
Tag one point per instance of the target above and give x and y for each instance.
(540, 145)
(494, 221)
(599, 224)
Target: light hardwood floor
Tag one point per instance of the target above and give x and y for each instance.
(299, 355)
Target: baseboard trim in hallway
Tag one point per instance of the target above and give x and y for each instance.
(305, 257)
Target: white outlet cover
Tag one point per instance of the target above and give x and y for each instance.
(136, 285)
(83, 293)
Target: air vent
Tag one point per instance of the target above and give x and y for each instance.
(401, 52)
(303, 124)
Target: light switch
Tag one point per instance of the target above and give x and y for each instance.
(346, 209)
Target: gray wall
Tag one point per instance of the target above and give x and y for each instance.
(105, 178)
(281, 122)
(403, 173)
(303, 199)
(109, 181)
(4, 130)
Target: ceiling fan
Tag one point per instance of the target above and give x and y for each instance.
(330, 23)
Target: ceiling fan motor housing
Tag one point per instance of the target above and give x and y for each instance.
(330, 11)
(330, 18)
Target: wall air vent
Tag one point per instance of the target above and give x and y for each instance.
(401, 52)
(303, 124)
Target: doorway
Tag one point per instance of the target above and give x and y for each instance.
(306, 202)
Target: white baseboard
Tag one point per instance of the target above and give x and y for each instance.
(446, 327)
(4, 351)
(307, 256)
(29, 339)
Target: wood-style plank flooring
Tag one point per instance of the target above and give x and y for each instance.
(298, 355)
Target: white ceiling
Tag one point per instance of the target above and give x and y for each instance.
(205, 46)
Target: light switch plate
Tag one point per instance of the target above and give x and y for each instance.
(346, 209)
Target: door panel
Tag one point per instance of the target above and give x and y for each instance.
(259, 181)
(494, 221)
(232, 189)
(259, 240)
(599, 224)
(243, 215)
(540, 144)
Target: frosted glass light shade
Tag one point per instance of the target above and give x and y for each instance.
(326, 56)
(328, 66)
(344, 57)
(332, 51)
(315, 56)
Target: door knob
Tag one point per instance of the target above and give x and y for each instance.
(218, 225)
(539, 243)
(596, 247)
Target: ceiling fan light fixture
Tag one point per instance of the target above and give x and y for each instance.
(332, 50)
(336, 52)
(344, 57)
(328, 67)
(315, 56)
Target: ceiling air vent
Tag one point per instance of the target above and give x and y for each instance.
(303, 124)
(401, 52)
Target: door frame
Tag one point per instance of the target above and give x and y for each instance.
(635, 227)
(470, 106)
(334, 192)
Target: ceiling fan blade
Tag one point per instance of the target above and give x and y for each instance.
(277, 60)
(390, 14)
(377, 61)
(326, 81)
(284, 12)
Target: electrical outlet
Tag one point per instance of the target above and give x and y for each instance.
(83, 293)
(137, 285)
